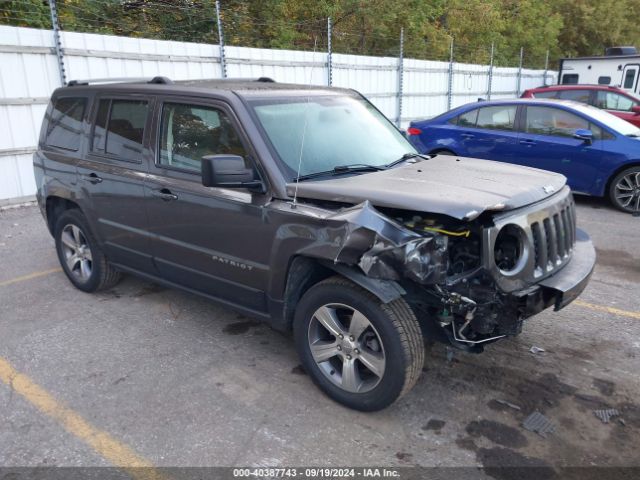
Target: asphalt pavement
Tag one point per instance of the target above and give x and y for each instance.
(143, 375)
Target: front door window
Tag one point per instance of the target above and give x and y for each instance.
(190, 132)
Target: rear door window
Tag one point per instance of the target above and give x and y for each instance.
(553, 121)
(497, 118)
(119, 128)
(547, 94)
(575, 95)
(64, 129)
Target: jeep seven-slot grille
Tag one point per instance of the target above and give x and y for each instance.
(553, 239)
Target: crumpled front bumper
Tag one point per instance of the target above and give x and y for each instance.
(565, 285)
(569, 282)
(558, 290)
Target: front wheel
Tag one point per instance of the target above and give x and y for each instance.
(624, 191)
(361, 352)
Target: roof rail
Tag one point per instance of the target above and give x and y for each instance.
(92, 81)
(240, 79)
(161, 79)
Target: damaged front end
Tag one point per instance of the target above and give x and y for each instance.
(469, 282)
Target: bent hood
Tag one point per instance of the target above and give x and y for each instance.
(459, 187)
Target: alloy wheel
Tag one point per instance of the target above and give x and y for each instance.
(76, 251)
(346, 348)
(627, 192)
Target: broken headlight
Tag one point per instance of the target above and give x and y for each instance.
(510, 250)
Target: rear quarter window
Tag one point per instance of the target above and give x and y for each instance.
(467, 119)
(64, 123)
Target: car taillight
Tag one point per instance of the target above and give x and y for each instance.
(414, 131)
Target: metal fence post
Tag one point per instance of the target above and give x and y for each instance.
(546, 68)
(56, 39)
(329, 59)
(400, 79)
(519, 72)
(223, 60)
(490, 73)
(450, 79)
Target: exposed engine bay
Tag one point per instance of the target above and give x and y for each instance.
(470, 282)
(468, 308)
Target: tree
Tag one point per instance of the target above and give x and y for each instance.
(368, 27)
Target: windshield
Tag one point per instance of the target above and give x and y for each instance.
(615, 123)
(331, 131)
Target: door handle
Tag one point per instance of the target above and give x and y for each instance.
(165, 194)
(467, 135)
(92, 178)
(527, 142)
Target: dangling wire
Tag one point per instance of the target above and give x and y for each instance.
(304, 128)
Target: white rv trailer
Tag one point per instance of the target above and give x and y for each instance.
(619, 67)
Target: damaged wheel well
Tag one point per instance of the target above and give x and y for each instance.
(305, 272)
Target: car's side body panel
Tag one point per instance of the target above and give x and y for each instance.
(588, 168)
(244, 247)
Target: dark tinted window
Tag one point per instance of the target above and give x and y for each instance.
(575, 95)
(547, 94)
(553, 121)
(570, 78)
(119, 128)
(64, 128)
(126, 128)
(629, 78)
(497, 118)
(604, 80)
(190, 132)
(468, 119)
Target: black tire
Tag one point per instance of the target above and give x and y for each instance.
(622, 179)
(394, 323)
(443, 152)
(102, 275)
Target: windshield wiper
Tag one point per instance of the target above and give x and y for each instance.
(339, 169)
(405, 157)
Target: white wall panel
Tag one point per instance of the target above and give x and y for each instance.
(29, 73)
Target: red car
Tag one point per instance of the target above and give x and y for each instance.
(612, 99)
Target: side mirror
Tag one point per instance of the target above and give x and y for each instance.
(227, 171)
(636, 109)
(585, 135)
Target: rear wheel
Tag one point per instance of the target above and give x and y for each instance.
(80, 256)
(624, 190)
(361, 352)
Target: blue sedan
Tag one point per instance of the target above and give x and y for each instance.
(597, 152)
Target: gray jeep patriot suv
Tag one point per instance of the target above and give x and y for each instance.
(306, 207)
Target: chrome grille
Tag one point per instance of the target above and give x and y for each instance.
(553, 239)
(549, 236)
